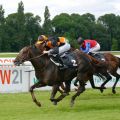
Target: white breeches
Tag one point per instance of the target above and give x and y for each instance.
(95, 49)
(64, 48)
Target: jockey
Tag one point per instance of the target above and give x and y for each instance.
(88, 46)
(58, 46)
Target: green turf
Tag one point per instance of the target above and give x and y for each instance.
(7, 55)
(91, 105)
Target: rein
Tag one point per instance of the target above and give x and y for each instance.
(35, 57)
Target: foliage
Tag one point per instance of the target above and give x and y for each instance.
(114, 45)
(2, 21)
(20, 29)
(47, 26)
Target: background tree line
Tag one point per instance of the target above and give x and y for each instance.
(20, 29)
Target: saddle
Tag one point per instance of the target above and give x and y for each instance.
(67, 59)
(98, 56)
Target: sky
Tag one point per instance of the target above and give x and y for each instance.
(37, 7)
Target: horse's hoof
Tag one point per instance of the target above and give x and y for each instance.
(65, 94)
(38, 104)
(114, 91)
(54, 103)
(101, 90)
(72, 103)
(76, 89)
(103, 87)
(52, 100)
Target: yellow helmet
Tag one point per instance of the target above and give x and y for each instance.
(41, 39)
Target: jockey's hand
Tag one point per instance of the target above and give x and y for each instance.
(45, 52)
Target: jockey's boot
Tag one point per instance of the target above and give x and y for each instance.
(91, 54)
(62, 65)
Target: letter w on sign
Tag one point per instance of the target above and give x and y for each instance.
(5, 76)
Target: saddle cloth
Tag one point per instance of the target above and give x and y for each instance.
(68, 59)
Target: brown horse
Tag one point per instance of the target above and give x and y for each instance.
(113, 63)
(49, 74)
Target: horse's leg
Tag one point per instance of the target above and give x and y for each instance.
(67, 87)
(55, 88)
(117, 79)
(93, 84)
(80, 90)
(36, 85)
(66, 92)
(61, 88)
(108, 78)
(75, 83)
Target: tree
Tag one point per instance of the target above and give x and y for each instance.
(47, 26)
(102, 36)
(33, 27)
(109, 22)
(61, 23)
(2, 19)
(114, 44)
(89, 22)
(2, 27)
(11, 32)
(117, 31)
(20, 33)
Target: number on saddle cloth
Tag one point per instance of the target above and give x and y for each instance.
(68, 59)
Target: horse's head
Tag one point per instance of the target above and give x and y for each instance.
(22, 56)
(28, 53)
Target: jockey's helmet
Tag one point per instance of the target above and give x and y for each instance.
(80, 40)
(41, 39)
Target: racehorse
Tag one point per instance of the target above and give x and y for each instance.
(113, 63)
(49, 74)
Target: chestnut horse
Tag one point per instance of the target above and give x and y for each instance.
(113, 63)
(49, 74)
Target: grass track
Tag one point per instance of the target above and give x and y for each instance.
(91, 105)
(6, 55)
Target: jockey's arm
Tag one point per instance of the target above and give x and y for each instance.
(86, 50)
(54, 50)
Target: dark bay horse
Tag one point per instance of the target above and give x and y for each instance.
(49, 74)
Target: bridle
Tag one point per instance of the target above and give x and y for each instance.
(34, 47)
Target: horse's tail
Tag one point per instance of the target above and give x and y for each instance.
(119, 61)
